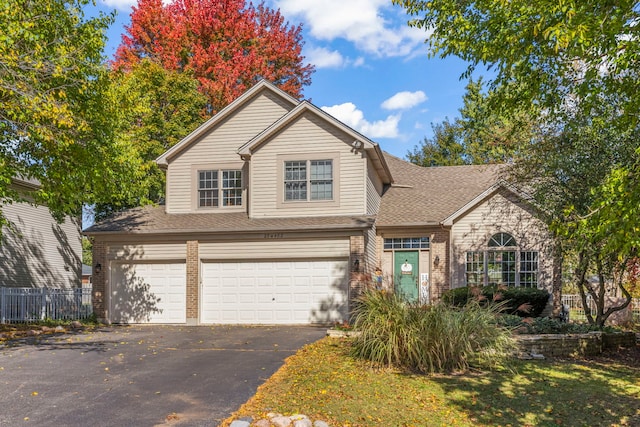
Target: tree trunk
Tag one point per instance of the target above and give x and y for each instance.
(556, 280)
(580, 273)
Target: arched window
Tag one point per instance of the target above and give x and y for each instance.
(501, 239)
(498, 264)
(501, 263)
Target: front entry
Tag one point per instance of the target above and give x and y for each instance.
(405, 267)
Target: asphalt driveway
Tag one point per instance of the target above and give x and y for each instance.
(141, 375)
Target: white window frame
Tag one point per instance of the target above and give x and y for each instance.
(308, 200)
(521, 265)
(305, 178)
(208, 193)
(231, 194)
(405, 243)
(227, 190)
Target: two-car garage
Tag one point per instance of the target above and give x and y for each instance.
(273, 292)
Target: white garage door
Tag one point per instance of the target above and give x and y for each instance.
(148, 293)
(287, 292)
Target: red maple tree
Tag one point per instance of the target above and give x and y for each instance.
(227, 45)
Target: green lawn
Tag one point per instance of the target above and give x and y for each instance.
(324, 382)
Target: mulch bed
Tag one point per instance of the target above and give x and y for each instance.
(22, 330)
(624, 356)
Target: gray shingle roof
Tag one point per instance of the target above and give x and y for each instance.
(427, 196)
(154, 219)
(420, 196)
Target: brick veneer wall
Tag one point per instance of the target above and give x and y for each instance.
(439, 247)
(550, 345)
(357, 276)
(98, 280)
(193, 272)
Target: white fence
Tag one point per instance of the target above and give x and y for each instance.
(37, 304)
(576, 310)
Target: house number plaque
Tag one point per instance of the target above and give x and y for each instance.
(273, 235)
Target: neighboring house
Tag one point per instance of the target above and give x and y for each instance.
(35, 250)
(86, 275)
(276, 212)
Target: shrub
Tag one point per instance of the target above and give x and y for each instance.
(510, 321)
(383, 321)
(546, 325)
(429, 339)
(516, 299)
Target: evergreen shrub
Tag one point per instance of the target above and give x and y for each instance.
(524, 302)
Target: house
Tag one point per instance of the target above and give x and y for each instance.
(36, 250)
(86, 275)
(277, 213)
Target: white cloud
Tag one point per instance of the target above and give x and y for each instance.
(324, 58)
(404, 100)
(124, 5)
(361, 22)
(349, 114)
(359, 62)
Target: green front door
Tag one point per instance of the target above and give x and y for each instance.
(405, 267)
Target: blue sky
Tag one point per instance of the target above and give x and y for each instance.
(372, 70)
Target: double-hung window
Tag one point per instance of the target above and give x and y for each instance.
(231, 188)
(308, 180)
(219, 187)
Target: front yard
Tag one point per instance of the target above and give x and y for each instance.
(324, 382)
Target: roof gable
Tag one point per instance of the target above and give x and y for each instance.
(489, 192)
(431, 195)
(360, 142)
(223, 114)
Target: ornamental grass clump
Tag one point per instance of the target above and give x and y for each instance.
(429, 339)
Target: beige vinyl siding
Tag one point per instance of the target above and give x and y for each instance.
(275, 249)
(148, 252)
(370, 250)
(374, 190)
(307, 136)
(36, 251)
(220, 146)
(373, 200)
(502, 212)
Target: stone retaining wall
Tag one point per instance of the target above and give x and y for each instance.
(551, 345)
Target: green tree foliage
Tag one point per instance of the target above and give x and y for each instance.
(153, 109)
(581, 177)
(573, 67)
(489, 135)
(445, 148)
(87, 251)
(480, 135)
(54, 124)
(563, 55)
